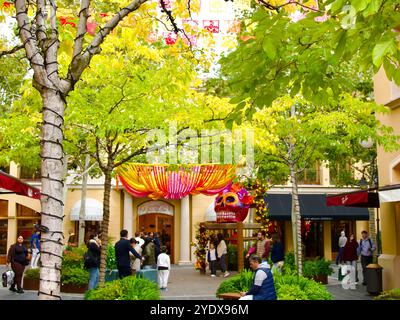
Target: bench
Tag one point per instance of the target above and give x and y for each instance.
(230, 296)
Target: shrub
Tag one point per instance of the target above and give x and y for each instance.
(111, 261)
(288, 287)
(77, 276)
(128, 288)
(32, 273)
(289, 267)
(238, 283)
(73, 258)
(393, 294)
(317, 267)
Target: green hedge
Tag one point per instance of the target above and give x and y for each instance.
(129, 288)
(32, 273)
(288, 287)
(317, 267)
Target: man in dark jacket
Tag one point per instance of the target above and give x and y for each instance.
(263, 287)
(122, 249)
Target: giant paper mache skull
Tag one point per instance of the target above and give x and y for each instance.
(232, 204)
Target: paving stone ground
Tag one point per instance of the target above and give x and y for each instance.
(185, 283)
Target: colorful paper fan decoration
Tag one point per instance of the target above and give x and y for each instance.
(163, 181)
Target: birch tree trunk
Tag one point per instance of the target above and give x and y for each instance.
(105, 223)
(52, 172)
(82, 211)
(296, 221)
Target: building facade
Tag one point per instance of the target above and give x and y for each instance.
(388, 94)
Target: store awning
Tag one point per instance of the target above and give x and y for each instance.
(389, 193)
(10, 184)
(312, 207)
(93, 212)
(362, 199)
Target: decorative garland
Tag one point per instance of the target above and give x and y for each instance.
(259, 190)
(202, 237)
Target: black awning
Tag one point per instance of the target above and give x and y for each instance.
(312, 207)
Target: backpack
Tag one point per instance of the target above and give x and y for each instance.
(89, 260)
(359, 246)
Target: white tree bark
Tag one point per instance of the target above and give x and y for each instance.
(296, 222)
(82, 210)
(40, 40)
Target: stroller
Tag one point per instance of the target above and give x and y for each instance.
(7, 278)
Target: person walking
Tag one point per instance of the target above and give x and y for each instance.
(122, 249)
(212, 258)
(350, 257)
(342, 243)
(163, 267)
(92, 260)
(35, 247)
(18, 258)
(366, 249)
(263, 287)
(221, 253)
(277, 253)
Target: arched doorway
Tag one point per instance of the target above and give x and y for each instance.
(158, 216)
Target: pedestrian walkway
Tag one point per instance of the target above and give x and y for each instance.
(186, 283)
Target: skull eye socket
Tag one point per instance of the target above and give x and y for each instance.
(219, 200)
(230, 199)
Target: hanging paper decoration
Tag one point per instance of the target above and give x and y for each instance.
(170, 38)
(211, 25)
(232, 204)
(91, 28)
(161, 181)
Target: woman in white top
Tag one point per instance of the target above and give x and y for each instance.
(221, 252)
(163, 267)
(135, 262)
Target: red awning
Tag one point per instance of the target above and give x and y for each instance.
(362, 199)
(15, 185)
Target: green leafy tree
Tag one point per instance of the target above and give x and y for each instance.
(294, 135)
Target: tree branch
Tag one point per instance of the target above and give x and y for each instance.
(81, 61)
(80, 33)
(11, 51)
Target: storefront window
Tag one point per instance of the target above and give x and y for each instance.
(3, 236)
(26, 220)
(3, 208)
(338, 226)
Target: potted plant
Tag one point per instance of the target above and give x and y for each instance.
(31, 279)
(111, 264)
(318, 270)
(74, 280)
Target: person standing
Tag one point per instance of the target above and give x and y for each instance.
(163, 267)
(263, 246)
(35, 247)
(18, 257)
(342, 243)
(212, 258)
(277, 253)
(366, 248)
(263, 287)
(135, 262)
(149, 254)
(222, 250)
(138, 238)
(93, 261)
(122, 249)
(157, 244)
(350, 257)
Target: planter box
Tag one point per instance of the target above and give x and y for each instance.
(111, 276)
(321, 279)
(73, 288)
(31, 284)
